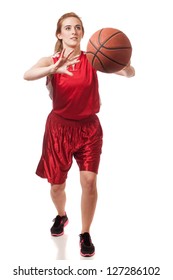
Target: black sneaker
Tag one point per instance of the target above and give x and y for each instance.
(87, 248)
(58, 227)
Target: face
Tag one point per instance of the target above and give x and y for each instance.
(71, 32)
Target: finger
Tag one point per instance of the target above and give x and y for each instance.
(69, 54)
(68, 73)
(62, 53)
(77, 56)
(73, 62)
(73, 58)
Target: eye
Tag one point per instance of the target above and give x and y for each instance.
(67, 28)
(78, 27)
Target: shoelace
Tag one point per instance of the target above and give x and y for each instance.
(86, 239)
(57, 220)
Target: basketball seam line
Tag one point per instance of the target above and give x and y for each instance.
(106, 39)
(95, 56)
(116, 49)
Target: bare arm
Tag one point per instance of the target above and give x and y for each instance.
(41, 69)
(45, 67)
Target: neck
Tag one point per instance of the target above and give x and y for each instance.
(76, 51)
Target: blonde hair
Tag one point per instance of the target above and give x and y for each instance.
(58, 45)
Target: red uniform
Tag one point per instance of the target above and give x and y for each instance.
(72, 128)
(76, 97)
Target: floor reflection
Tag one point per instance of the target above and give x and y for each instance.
(60, 243)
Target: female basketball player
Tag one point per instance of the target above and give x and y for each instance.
(72, 128)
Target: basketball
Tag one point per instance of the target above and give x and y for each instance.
(109, 50)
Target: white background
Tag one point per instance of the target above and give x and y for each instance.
(133, 220)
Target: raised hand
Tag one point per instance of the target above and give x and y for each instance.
(61, 66)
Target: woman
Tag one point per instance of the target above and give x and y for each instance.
(72, 128)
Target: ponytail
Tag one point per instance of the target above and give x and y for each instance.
(58, 46)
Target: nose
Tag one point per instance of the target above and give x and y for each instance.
(73, 30)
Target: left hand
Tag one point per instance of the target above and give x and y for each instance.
(128, 71)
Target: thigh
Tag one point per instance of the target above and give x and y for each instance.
(88, 156)
(56, 158)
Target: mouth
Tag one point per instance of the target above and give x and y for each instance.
(74, 38)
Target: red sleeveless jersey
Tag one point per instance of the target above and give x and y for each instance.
(76, 97)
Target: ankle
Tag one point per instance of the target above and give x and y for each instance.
(61, 213)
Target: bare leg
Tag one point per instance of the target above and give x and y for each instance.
(88, 198)
(58, 196)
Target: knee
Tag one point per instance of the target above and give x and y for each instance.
(88, 184)
(57, 189)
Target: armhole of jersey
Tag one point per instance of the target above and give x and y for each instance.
(48, 79)
(55, 56)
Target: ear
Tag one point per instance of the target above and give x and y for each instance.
(59, 36)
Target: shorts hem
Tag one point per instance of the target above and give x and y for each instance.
(88, 169)
(52, 182)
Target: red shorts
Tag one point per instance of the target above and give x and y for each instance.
(65, 139)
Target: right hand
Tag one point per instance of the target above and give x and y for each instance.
(61, 66)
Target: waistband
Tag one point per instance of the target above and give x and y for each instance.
(71, 122)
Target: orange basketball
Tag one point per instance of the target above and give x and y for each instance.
(109, 50)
